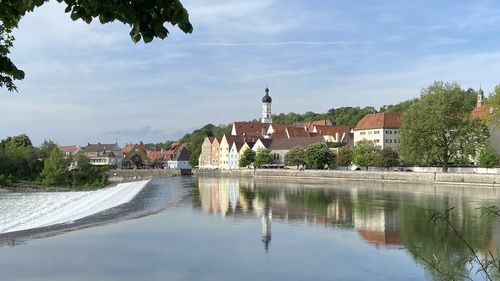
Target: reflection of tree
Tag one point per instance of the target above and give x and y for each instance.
(379, 216)
(435, 244)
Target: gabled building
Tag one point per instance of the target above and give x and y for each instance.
(234, 155)
(205, 160)
(215, 152)
(104, 154)
(181, 156)
(224, 147)
(261, 143)
(135, 156)
(381, 128)
(332, 133)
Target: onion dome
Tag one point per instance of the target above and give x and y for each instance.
(267, 98)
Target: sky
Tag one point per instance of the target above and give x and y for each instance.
(91, 83)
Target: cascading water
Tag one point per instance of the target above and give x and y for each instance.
(22, 211)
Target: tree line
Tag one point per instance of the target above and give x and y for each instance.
(46, 165)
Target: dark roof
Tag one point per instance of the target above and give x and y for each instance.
(267, 98)
(285, 144)
(266, 142)
(380, 121)
(100, 147)
(184, 155)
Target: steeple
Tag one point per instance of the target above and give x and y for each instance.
(480, 97)
(266, 107)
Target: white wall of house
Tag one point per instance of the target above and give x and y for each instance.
(382, 137)
(178, 164)
(234, 158)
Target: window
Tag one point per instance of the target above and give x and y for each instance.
(376, 132)
(376, 141)
(362, 133)
(370, 132)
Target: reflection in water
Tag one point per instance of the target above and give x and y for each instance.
(384, 215)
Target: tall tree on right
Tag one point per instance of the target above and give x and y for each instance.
(438, 129)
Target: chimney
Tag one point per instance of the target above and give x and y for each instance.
(337, 136)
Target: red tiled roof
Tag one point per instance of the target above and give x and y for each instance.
(250, 129)
(127, 148)
(309, 125)
(279, 131)
(332, 130)
(68, 148)
(297, 132)
(481, 111)
(379, 121)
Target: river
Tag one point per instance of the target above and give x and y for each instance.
(207, 228)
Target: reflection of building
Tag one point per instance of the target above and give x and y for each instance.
(266, 219)
(378, 226)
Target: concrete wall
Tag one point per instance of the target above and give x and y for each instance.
(492, 180)
(124, 175)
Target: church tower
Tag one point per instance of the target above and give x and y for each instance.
(266, 108)
(480, 97)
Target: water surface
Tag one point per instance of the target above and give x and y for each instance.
(264, 229)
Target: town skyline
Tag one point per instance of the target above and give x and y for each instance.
(312, 61)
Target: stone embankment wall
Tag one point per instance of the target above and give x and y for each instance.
(410, 177)
(128, 175)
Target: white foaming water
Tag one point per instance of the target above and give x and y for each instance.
(21, 211)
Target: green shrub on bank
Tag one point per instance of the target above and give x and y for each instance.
(73, 172)
(6, 180)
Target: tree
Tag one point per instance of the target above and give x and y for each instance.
(263, 157)
(364, 153)
(247, 158)
(387, 157)
(136, 160)
(295, 156)
(344, 157)
(488, 158)
(494, 102)
(438, 128)
(46, 148)
(146, 19)
(318, 155)
(55, 170)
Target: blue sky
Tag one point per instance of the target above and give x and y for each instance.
(91, 83)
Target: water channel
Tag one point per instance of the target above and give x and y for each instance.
(261, 229)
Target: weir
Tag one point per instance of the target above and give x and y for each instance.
(22, 211)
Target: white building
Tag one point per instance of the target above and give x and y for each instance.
(381, 128)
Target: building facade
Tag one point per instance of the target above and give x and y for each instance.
(381, 128)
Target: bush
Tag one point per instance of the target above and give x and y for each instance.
(364, 153)
(386, 157)
(488, 158)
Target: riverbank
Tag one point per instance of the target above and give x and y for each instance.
(487, 180)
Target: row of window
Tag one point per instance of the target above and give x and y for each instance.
(378, 132)
(392, 141)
